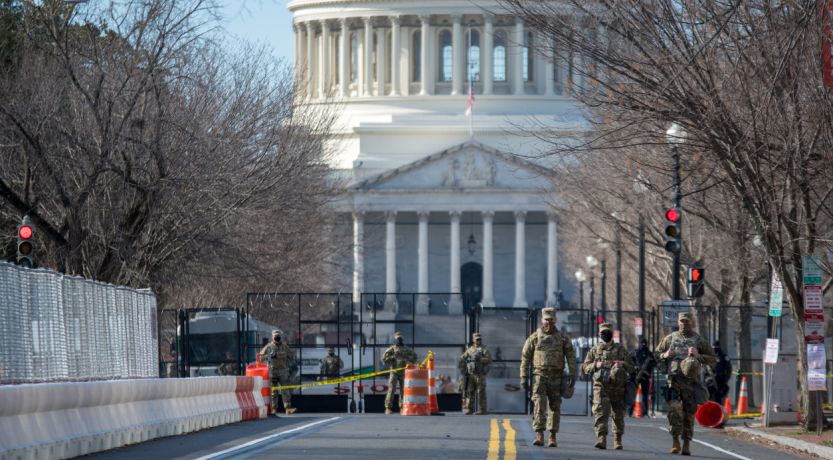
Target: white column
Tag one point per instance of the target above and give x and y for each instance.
(390, 252)
(343, 59)
(457, 56)
(552, 259)
(358, 256)
(381, 61)
(455, 304)
(517, 71)
(520, 260)
(368, 57)
(310, 69)
(549, 67)
(423, 51)
(488, 261)
(324, 59)
(422, 263)
(488, 72)
(395, 59)
(298, 51)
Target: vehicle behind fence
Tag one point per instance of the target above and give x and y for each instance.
(62, 328)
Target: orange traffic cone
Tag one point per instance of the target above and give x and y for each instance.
(637, 405)
(433, 406)
(743, 400)
(727, 404)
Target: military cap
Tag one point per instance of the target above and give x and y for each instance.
(548, 313)
(397, 335)
(475, 336)
(276, 332)
(605, 327)
(684, 316)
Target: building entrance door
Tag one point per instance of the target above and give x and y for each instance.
(471, 280)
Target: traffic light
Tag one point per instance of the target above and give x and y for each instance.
(673, 227)
(696, 281)
(25, 247)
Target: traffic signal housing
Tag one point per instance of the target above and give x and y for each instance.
(696, 281)
(25, 244)
(673, 230)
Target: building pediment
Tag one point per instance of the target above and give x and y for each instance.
(470, 166)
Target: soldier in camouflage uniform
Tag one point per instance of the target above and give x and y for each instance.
(546, 351)
(280, 357)
(330, 366)
(611, 368)
(395, 357)
(684, 353)
(477, 359)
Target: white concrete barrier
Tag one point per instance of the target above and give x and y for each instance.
(64, 420)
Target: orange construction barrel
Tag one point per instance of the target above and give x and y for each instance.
(259, 369)
(711, 415)
(415, 392)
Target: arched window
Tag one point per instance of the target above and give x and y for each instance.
(527, 57)
(473, 57)
(416, 48)
(446, 56)
(499, 56)
(354, 57)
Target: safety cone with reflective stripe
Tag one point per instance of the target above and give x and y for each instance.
(433, 406)
(743, 400)
(637, 405)
(727, 404)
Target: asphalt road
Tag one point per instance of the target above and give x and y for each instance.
(454, 436)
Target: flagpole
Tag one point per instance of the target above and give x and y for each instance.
(468, 70)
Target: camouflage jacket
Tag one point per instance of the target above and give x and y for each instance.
(477, 360)
(398, 356)
(278, 355)
(547, 354)
(680, 343)
(331, 365)
(607, 374)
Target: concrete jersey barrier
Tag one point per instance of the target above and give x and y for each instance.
(64, 420)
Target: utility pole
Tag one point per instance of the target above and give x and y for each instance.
(642, 269)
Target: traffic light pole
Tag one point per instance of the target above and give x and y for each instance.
(604, 290)
(619, 325)
(678, 200)
(642, 268)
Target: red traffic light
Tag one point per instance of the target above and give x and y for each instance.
(672, 215)
(24, 232)
(695, 274)
(600, 320)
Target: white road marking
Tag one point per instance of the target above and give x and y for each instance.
(266, 438)
(719, 449)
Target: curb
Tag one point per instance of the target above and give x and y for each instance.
(821, 451)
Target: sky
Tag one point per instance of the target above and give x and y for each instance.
(263, 22)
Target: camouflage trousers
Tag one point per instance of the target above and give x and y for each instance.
(278, 378)
(476, 388)
(546, 394)
(395, 378)
(607, 402)
(681, 410)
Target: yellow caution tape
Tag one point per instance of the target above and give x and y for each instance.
(749, 415)
(351, 378)
(758, 374)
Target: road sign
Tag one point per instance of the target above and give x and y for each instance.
(776, 296)
(771, 356)
(637, 326)
(811, 270)
(813, 300)
(671, 310)
(814, 328)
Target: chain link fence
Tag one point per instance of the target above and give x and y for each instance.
(61, 328)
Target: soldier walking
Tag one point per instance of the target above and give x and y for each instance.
(395, 357)
(280, 357)
(330, 366)
(684, 353)
(477, 359)
(546, 351)
(611, 368)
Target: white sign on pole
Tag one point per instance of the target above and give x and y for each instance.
(813, 299)
(776, 296)
(671, 310)
(811, 269)
(816, 372)
(814, 328)
(771, 356)
(637, 326)
(816, 380)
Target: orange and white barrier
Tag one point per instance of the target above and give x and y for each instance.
(415, 392)
(743, 400)
(637, 405)
(63, 420)
(433, 405)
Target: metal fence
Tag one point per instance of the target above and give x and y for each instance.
(60, 328)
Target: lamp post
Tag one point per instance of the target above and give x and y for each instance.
(592, 263)
(675, 136)
(604, 289)
(581, 277)
(640, 186)
(619, 284)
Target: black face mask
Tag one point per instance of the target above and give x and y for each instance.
(718, 351)
(400, 342)
(330, 353)
(278, 339)
(607, 336)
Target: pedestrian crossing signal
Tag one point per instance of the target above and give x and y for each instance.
(696, 282)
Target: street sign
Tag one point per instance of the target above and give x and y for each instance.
(776, 296)
(816, 360)
(811, 270)
(671, 310)
(813, 328)
(771, 356)
(637, 326)
(813, 300)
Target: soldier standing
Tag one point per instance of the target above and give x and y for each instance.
(645, 363)
(395, 357)
(611, 368)
(546, 350)
(477, 359)
(330, 366)
(279, 357)
(684, 353)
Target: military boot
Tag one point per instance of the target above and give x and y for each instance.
(601, 442)
(291, 410)
(388, 411)
(539, 439)
(480, 412)
(552, 442)
(675, 449)
(617, 441)
(686, 447)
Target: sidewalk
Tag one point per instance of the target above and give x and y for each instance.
(792, 436)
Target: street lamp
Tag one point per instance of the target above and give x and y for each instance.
(640, 186)
(676, 135)
(581, 277)
(592, 263)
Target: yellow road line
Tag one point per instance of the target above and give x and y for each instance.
(509, 442)
(494, 441)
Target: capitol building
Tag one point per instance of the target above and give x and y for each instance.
(440, 104)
